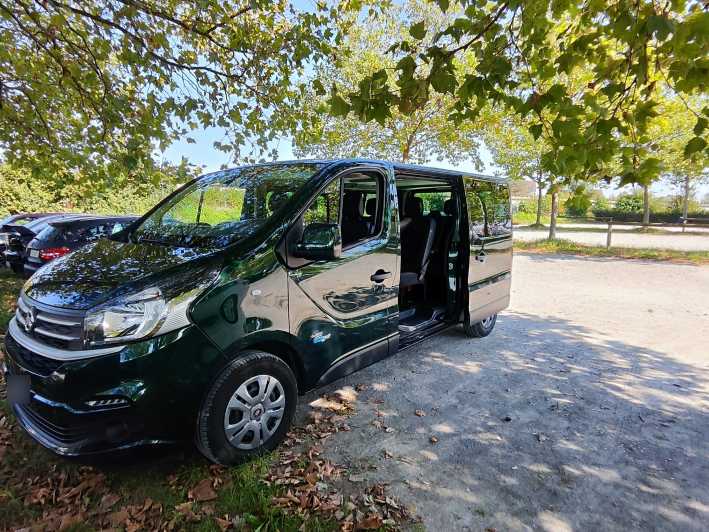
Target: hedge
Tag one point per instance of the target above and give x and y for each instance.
(656, 217)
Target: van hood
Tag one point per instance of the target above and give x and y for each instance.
(97, 272)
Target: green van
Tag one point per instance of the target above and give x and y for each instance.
(208, 316)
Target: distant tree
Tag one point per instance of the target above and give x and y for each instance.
(418, 136)
(681, 172)
(519, 155)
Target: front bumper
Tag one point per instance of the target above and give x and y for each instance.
(158, 383)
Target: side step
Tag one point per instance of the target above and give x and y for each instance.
(420, 320)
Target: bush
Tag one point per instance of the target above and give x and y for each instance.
(629, 203)
(20, 194)
(656, 217)
(578, 204)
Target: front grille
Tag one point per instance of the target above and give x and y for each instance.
(62, 330)
(30, 360)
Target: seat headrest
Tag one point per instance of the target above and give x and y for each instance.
(352, 205)
(414, 207)
(449, 207)
(371, 207)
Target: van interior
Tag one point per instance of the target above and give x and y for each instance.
(430, 225)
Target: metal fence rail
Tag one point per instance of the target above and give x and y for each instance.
(686, 222)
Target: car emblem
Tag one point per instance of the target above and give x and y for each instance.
(30, 319)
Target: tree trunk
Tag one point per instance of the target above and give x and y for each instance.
(539, 204)
(685, 200)
(646, 205)
(554, 212)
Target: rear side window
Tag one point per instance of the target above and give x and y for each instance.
(496, 199)
(433, 201)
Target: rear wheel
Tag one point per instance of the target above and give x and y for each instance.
(248, 409)
(481, 328)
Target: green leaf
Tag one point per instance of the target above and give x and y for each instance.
(700, 126)
(695, 145)
(338, 106)
(418, 30)
(535, 130)
(443, 4)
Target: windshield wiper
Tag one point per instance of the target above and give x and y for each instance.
(155, 241)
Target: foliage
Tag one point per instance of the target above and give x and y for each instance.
(529, 57)
(123, 193)
(676, 204)
(93, 86)
(418, 136)
(655, 216)
(629, 203)
(578, 203)
(530, 205)
(20, 193)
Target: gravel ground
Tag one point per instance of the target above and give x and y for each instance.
(679, 241)
(586, 409)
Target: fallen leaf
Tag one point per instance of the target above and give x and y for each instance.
(203, 491)
(107, 501)
(420, 413)
(118, 518)
(371, 522)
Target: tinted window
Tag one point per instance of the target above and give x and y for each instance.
(222, 207)
(361, 207)
(489, 209)
(325, 208)
(433, 201)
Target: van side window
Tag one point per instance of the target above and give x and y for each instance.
(433, 201)
(325, 208)
(502, 217)
(361, 207)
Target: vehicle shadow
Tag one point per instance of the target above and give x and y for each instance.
(545, 424)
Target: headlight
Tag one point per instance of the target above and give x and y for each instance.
(148, 313)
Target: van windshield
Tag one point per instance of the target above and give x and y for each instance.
(224, 207)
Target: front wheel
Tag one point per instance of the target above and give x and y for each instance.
(248, 410)
(481, 328)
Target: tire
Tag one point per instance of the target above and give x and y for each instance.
(480, 329)
(236, 402)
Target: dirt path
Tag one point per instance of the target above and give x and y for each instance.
(586, 409)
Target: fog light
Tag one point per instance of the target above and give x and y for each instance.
(102, 403)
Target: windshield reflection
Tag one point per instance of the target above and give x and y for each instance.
(225, 206)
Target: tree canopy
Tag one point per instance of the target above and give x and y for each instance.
(98, 85)
(528, 58)
(419, 136)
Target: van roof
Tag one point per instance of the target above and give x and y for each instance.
(402, 167)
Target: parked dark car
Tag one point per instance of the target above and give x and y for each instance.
(15, 219)
(206, 318)
(60, 237)
(18, 235)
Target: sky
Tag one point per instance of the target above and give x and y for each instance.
(203, 153)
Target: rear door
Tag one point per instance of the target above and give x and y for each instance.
(341, 311)
(490, 239)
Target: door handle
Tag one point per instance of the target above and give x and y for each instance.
(379, 276)
(481, 256)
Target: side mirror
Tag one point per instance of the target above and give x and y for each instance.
(319, 242)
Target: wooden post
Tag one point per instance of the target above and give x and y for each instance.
(609, 236)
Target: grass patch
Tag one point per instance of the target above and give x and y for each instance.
(10, 285)
(569, 247)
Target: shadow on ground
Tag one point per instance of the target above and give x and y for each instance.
(545, 424)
